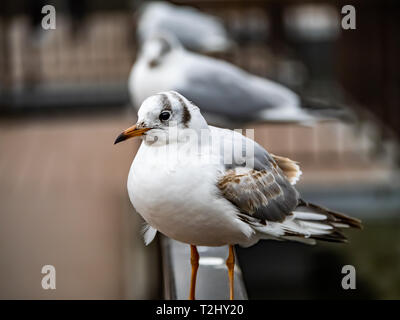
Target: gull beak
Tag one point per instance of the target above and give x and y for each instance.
(131, 132)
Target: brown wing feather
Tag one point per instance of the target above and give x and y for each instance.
(261, 190)
(263, 194)
(289, 167)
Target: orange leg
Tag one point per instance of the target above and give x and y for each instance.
(230, 263)
(194, 260)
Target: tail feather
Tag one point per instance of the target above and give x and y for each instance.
(307, 224)
(333, 217)
(323, 224)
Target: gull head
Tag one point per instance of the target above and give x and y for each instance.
(164, 118)
(158, 47)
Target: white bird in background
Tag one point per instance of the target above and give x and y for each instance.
(202, 198)
(227, 94)
(197, 31)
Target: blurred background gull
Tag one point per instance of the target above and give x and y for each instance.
(195, 30)
(228, 96)
(64, 97)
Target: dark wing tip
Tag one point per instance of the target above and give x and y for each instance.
(334, 216)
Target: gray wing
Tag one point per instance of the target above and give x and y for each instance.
(221, 88)
(261, 191)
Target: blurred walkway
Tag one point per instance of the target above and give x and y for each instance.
(63, 201)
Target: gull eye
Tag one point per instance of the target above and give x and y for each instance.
(164, 115)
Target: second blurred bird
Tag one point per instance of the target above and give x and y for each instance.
(226, 94)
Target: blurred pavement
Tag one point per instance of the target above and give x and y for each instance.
(63, 202)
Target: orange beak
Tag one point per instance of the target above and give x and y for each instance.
(130, 133)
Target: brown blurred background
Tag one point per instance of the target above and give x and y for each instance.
(63, 100)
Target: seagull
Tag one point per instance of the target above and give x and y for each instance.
(208, 186)
(228, 95)
(184, 22)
